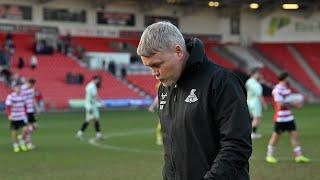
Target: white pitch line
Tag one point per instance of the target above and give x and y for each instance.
(121, 134)
(93, 142)
(284, 159)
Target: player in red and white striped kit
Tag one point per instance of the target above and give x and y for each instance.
(284, 120)
(28, 90)
(16, 110)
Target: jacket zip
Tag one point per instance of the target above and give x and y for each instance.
(174, 92)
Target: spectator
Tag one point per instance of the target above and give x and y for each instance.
(9, 43)
(112, 68)
(80, 52)
(123, 72)
(6, 73)
(20, 63)
(79, 78)
(70, 78)
(120, 46)
(6, 55)
(12, 49)
(16, 79)
(9, 37)
(74, 78)
(68, 44)
(33, 62)
(59, 45)
(39, 47)
(68, 38)
(3, 60)
(134, 59)
(104, 65)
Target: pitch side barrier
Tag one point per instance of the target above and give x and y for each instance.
(114, 103)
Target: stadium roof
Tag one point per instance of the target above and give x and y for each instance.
(226, 7)
(223, 3)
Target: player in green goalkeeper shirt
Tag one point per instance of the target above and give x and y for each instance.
(91, 106)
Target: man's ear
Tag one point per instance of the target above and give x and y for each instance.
(179, 51)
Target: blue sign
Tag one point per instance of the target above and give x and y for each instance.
(127, 102)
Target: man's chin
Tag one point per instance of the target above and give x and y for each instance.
(166, 83)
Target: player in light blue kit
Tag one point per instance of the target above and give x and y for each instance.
(91, 106)
(255, 101)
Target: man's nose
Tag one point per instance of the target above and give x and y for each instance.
(155, 72)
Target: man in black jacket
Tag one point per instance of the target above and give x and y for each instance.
(202, 108)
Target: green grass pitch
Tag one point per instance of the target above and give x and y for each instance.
(129, 151)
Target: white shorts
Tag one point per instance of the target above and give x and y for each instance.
(255, 109)
(94, 113)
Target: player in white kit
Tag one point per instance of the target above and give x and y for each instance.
(284, 120)
(16, 110)
(28, 90)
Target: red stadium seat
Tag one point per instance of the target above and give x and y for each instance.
(311, 53)
(280, 55)
(51, 76)
(145, 82)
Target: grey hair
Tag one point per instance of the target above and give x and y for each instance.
(159, 37)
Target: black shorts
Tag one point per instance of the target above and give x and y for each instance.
(31, 118)
(281, 127)
(16, 125)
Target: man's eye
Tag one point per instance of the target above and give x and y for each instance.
(155, 66)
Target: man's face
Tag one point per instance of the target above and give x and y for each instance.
(258, 76)
(166, 66)
(17, 89)
(285, 82)
(30, 85)
(98, 82)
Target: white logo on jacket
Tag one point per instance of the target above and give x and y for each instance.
(162, 103)
(163, 96)
(192, 97)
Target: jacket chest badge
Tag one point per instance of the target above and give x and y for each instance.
(163, 96)
(162, 103)
(192, 97)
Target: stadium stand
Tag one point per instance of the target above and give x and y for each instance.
(92, 43)
(252, 62)
(311, 53)
(269, 75)
(56, 67)
(53, 69)
(279, 54)
(101, 44)
(145, 82)
(244, 54)
(217, 58)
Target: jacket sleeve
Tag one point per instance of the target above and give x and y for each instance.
(231, 116)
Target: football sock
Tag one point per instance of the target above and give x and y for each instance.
(84, 126)
(254, 129)
(97, 126)
(270, 151)
(297, 151)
